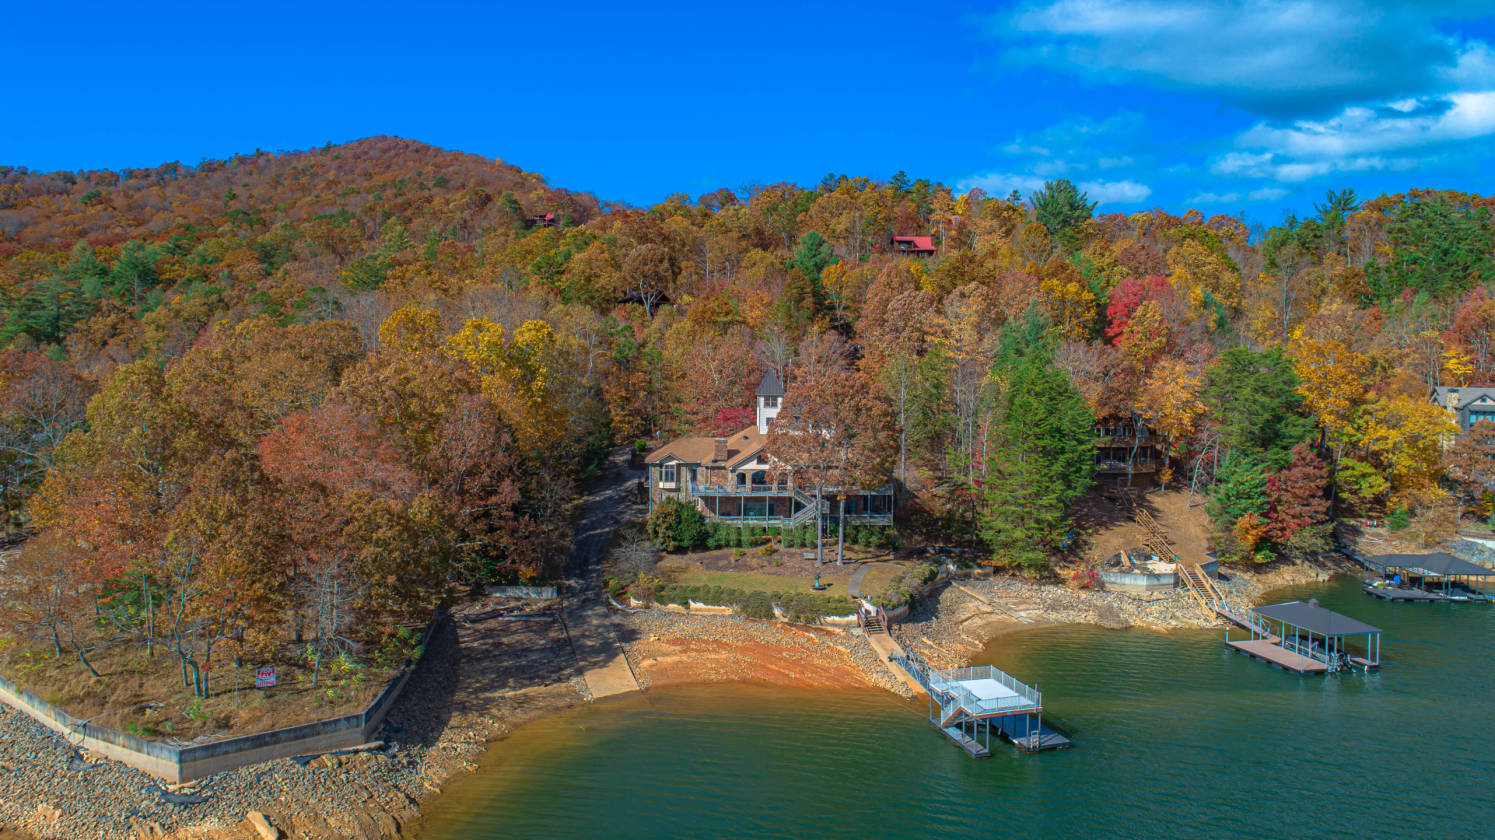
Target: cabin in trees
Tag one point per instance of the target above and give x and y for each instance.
(542, 220)
(914, 246)
(733, 480)
(1127, 452)
(1466, 406)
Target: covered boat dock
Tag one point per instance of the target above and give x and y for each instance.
(1428, 577)
(1308, 639)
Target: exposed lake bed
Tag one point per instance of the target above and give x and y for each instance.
(1175, 737)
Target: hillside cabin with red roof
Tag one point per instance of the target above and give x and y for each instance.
(914, 246)
(731, 479)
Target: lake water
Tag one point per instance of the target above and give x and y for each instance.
(1176, 737)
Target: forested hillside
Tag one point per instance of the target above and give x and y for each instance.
(286, 402)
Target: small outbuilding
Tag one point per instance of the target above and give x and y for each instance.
(914, 246)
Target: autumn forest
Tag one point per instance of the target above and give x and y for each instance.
(282, 405)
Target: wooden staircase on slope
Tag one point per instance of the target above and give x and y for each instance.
(1199, 584)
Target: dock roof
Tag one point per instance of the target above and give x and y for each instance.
(1315, 619)
(1429, 565)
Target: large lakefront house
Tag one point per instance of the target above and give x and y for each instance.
(733, 480)
(1466, 406)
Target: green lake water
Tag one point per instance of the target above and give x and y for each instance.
(1175, 737)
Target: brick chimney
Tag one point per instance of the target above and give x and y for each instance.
(719, 454)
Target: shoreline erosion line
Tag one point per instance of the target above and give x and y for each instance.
(484, 678)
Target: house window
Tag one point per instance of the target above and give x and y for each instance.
(667, 474)
(770, 402)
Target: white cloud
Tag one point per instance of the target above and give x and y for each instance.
(999, 184)
(1268, 194)
(1215, 198)
(1278, 57)
(1116, 192)
(1393, 136)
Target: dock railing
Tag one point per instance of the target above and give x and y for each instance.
(947, 682)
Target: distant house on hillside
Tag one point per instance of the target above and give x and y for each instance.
(1127, 452)
(733, 480)
(914, 246)
(542, 220)
(1466, 406)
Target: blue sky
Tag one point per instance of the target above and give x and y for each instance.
(1221, 106)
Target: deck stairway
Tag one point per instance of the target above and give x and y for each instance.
(1200, 586)
(809, 507)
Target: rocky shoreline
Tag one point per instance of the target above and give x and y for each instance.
(478, 680)
(949, 629)
(495, 666)
(671, 648)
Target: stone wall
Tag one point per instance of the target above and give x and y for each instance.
(183, 764)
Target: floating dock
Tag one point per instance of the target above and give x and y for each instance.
(969, 704)
(1306, 638)
(1400, 593)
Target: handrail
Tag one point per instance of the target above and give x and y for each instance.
(947, 682)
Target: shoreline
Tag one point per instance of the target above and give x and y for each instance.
(486, 676)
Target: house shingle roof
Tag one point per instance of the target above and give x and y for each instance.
(916, 243)
(1466, 396)
(771, 386)
(701, 450)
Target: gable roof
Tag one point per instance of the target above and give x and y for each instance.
(702, 450)
(1465, 396)
(915, 243)
(1315, 619)
(770, 386)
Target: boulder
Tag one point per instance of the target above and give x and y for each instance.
(262, 826)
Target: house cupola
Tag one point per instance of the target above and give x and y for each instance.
(770, 399)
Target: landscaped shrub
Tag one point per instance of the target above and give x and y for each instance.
(675, 526)
(757, 605)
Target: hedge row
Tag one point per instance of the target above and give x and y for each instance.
(801, 607)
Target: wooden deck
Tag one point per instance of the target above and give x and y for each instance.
(1393, 593)
(965, 742)
(1273, 654)
(1019, 730)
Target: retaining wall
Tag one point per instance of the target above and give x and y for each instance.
(178, 764)
(1136, 582)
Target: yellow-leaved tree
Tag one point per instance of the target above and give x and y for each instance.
(1169, 400)
(516, 375)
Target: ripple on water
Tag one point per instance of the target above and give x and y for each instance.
(1176, 738)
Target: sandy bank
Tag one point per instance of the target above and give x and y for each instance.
(488, 673)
